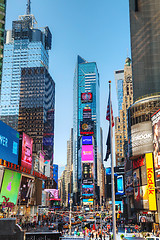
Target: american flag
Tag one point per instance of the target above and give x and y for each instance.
(108, 112)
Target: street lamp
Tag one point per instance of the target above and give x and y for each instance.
(70, 201)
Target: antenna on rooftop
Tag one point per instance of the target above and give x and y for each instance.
(28, 12)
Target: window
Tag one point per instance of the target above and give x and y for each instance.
(136, 5)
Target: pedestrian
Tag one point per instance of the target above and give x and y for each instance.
(96, 235)
(92, 236)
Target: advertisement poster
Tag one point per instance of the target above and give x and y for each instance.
(145, 197)
(87, 190)
(138, 197)
(26, 159)
(88, 201)
(41, 163)
(86, 97)
(87, 114)
(87, 173)
(9, 143)
(120, 189)
(136, 178)
(129, 183)
(86, 140)
(10, 186)
(87, 153)
(53, 193)
(87, 127)
(27, 190)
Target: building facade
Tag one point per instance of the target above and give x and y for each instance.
(86, 121)
(25, 46)
(121, 135)
(144, 19)
(119, 78)
(2, 29)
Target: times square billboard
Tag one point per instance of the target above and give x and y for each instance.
(9, 143)
(87, 153)
(26, 156)
(156, 145)
(87, 127)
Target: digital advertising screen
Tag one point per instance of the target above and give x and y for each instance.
(9, 143)
(26, 158)
(87, 190)
(86, 97)
(41, 163)
(128, 183)
(87, 127)
(87, 114)
(48, 141)
(10, 186)
(88, 201)
(136, 178)
(120, 188)
(87, 153)
(87, 173)
(47, 168)
(27, 189)
(138, 197)
(145, 197)
(53, 193)
(86, 140)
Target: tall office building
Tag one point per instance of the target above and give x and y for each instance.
(37, 108)
(87, 159)
(144, 28)
(2, 29)
(121, 135)
(25, 46)
(119, 77)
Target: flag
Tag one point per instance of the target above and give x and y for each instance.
(108, 112)
(108, 143)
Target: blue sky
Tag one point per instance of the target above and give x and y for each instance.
(97, 30)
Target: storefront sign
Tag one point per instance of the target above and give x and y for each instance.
(150, 181)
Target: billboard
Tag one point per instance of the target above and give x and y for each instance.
(10, 186)
(53, 193)
(87, 114)
(87, 173)
(26, 158)
(86, 97)
(48, 141)
(156, 145)
(87, 127)
(87, 153)
(47, 168)
(151, 183)
(145, 197)
(128, 183)
(9, 143)
(120, 188)
(141, 138)
(136, 178)
(41, 162)
(27, 190)
(88, 201)
(139, 162)
(86, 140)
(87, 190)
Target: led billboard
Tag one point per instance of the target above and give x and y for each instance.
(87, 190)
(128, 183)
(41, 163)
(9, 143)
(86, 140)
(10, 186)
(156, 146)
(88, 201)
(87, 153)
(87, 114)
(87, 173)
(86, 97)
(141, 138)
(120, 189)
(87, 127)
(53, 193)
(27, 190)
(26, 158)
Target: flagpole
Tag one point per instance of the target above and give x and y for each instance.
(112, 169)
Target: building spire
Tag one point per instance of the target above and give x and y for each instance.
(28, 12)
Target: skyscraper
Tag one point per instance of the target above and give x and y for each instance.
(2, 28)
(86, 122)
(121, 135)
(144, 28)
(25, 46)
(119, 77)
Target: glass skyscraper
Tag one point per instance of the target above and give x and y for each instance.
(2, 28)
(26, 46)
(86, 80)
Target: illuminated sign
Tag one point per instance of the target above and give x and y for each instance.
(27, 190)
(53, 193)
(87, 127)
(87, 190)
(87, 173)
(26, 158)
(10, 186)
(120, 189)
(139, 162)
(86, 140)
(151, 183)
(88, 201)
(87, 153)
(9, 143)
(86, 97)
(87, 114)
